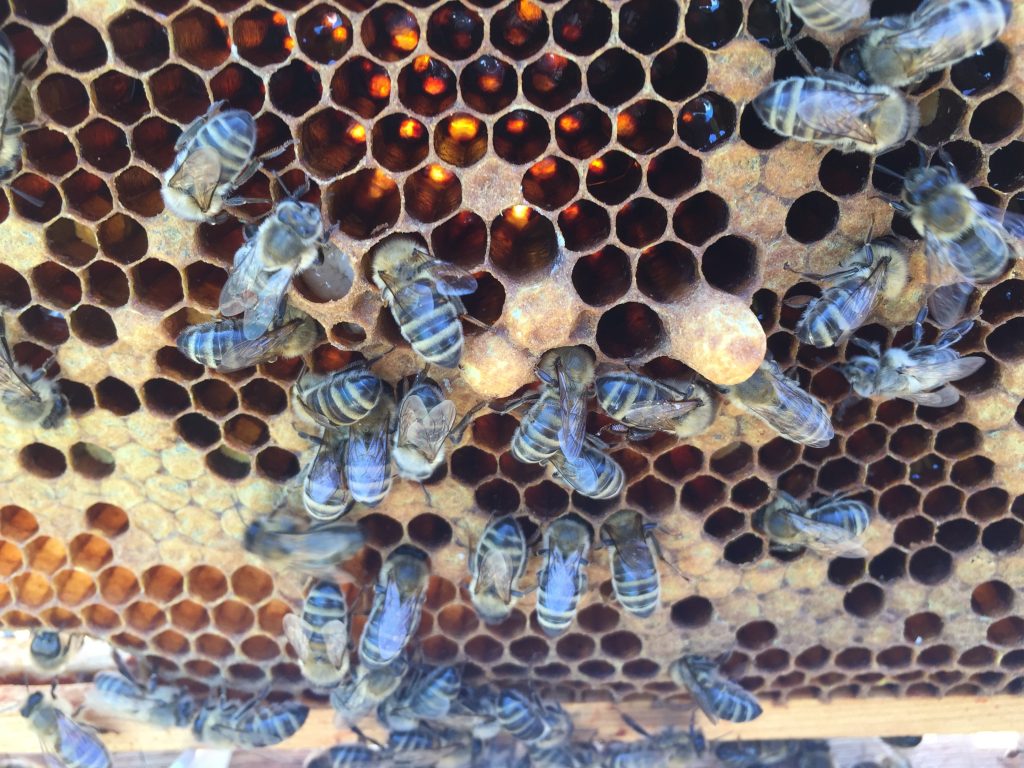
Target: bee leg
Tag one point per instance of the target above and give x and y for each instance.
(919, 326)
(476, 321)
(426, 493)
(460, 428)
(193, 128)
(511, 405)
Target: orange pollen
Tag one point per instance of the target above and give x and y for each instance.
(686, 117)
(516, 125)
(405, 40)
(420, 63)
(289, 43)
(434, 86)
(568, 123)
(340, 34)
(357, 133)
(626, 124)
(571, 33)
(410, 129)
(438, 174)
(520, 213)
(490, 83)
(597, 165)
(380, 86)
(463, 128)
(279, 19)
(529, 11)
(571, 212)
(545, 168)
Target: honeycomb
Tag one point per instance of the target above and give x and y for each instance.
(604, 146)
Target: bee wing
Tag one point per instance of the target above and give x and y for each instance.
(7, 74)
(790, 411)
(581, 473)
(261, 316)
(10, 379)
(198, 176)
(635, 553)
(939, 398)
(858, 303)
(946, 303)
(244, 281)
(422, 429)
(249, 352)
(293, 632)
(840, 114)
(416, 298)
(823, 537)
(325, 471)
(572, 405)
(336, 639)
(662, 416)
(944, 371)
(496, 570)
(450, 279)
(74, 739)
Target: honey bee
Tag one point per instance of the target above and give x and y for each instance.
(832, 526)
(427, 695)
(367, 457)
(780, 403)
(966, 242)
(635, 578)
(395, 614)
(750, 754)
(68, 742)
(915, 371)
(716, 695)
(120, 694)
(11, 93)
(902, 50)
(822, 15)
(669, 747)
(355, 699)
(423, 295)
(422, 747)
(645, 406)
(314, 549)
(325, 494)
(828, 320)
(251, 725)
(594, 474)
(215, 156)
(496, 566)
(340, 398)
(222, 346)
(288, 242)
(346, 756)
(51, 651)
(27, 395)
(521, 716)
(320, 635)
(563, 578)
(426, 418)
(837, 111)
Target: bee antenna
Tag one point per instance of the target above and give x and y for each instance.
(27, 197)
(889, 172)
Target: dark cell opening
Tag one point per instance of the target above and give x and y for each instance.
(744, 549)
(603, 276)
(324, 34)
(197, 430)
(93, 326)
(864, 600)
(520, 29)
(228, 463)
(546, 500)
(666, 272)
(692, 612)
(700, 218)
(706, 121)
(613, 177)
(943, 502)
(756, 133)
(361, 85)
(523, 242)
(888, 565)
(730, 264)
(139, 41)
(957, 535)
(521, 136)
(582, 26)
(583, 225)
(364, 202)
(583, 130)
(640, 222)
(117, 397)
(988, 504)
(552, 81)
(178, 93)
(930, 565)
(1006, 167)
(78, 46)
(713, 23)
(811, 217)
(840, 174)
(614, 77)
(996, 118)
(497, 497)
(461, 240)
(455, 31)
(550, 183)
(427, 85)
(200, 38)
(629, 330)
(981, 72)
(941, 113)
(43, 461)
(390, 32)
(488, 84)
(723, 523)
(844, 571)
(1002, 536)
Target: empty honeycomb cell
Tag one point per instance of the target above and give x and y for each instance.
(364, 202)
(49, 151)
(552, 81)
(260, 35)
(978, 656)
(139, 40)
(362, 86)
(602, 277)
(927, 471)
(692, 612)
(521, 136)
(172, 642)
(523, 242)
(844, 571)
(207, 583)
(165, 397)
(640, 222)
(324, 34)
(93, 326)
(57, 285)
(811, 217)
(1007, 632)
(773, 660)
(458, 620)
(730, 264)
(867, 442)
(139, 192)
(228, 463)
(92, 461)
(583, 130)
(189, 616)
(240, 87)
(260, 648)
(519, 29)
(470, 465)
(930, 565)
(957, 535)
(497, 496)
(43, 460)
(162, 583)
(427, 86)
(73, 586)
(35, 198)
(840, 174)
(178, 93)
(750, 493)
(682, 461)
(765, 306)
(613, 177)
(1002, 536)
(17, 523)
(390, 32)
(197, 668)
(32, 589)
(629, 330)
(546, 500)
(144, 616)
(913, 531)
(429, 531)
(439, 593)
(14, 290)
(46, 554)
(439, 649)
(723, 523)
(47, 325)
(197, 430)
(864, 600)
(1012, 659)
(888, 565)
(201, 38)
(203, 283)
(432, 193)
(815, 657)
(10, 558)
(996, 118)
(1005, 341)
(520, 472)
(78, 46)
(1006, 167)
(295, 88)
(63, 99)
(118, 585)
(550, 183)
(597, 618)
(88, 194)
(992, 599)
(892, 413)
(264, 397)
(653, 496)
(957, 440)
(666, 272)
(944, 501)
(981, 72)
(973, 471)
(614, 77)
(529, 649)
(116, 396)
(213, 646)
(233, 618)
(106, 284)
(744, 549)
(99, 618)
(49, 12)
(941, 113)
(853, 658)
(699, 218)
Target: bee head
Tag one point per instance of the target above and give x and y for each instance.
(924, 183)
(861, 373)
(45, 644)
(850, 62)
(252, 533)
(33, 702)
(303, 218)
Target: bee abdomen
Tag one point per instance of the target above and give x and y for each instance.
(272, 726)
(637, 593)
(536, 438)
(823, 322)
(519, 718)
(823, 16)
(232, 135)
(555, 621)
(344, 398)
(617, 393)
(852, 516)
(732, 703)
(435, 335)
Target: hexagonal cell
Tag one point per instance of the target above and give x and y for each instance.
(179, 93)
(35, 198)
(78, 46)
(189, 616)
(629, 330)
(603, 276)
(228, 463)
(144, 616)
(583, 130)
(139, 40)
(324, 34)
(92, 461)
(692, 612)
(930, 565)
(117, 397)
(295, 88)
(118, 585)
(201, 38)
(364, 202)
(1007, 632)
(864, 600)
(32, 590)
(43, 460)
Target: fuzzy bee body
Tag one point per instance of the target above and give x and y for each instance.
(521, 717)
(716, 695)
(320, 635)
(594, 474)
(496, 566)
(837, 111)
(120, 694)
(314, 549)
(395, 613)
(325, 494)
(420, 747)
(832, 526)
(843, 307)
(51, 651)
(340, 398)
(72, 745)
(250, 725)
(779, 402)
(215, 155)
(902, 50)
(429, 695)
(11, 91)
(751, 754)
(347, 756)
(367, 456)
(27, 395)
(562, 579)
(536, 438)
(222, 346)
(646, 405)
(425, 420)
(635, 578)
(823, 15)
(357, 697)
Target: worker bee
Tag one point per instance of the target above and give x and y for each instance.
(594, 474)
(314, 549)
(496, 566)
(915, 371)
(837, 111)
(780, 403)
(367, 457)
(427, 695)
(903, 50)
(966, 241)
(120, 694)
(763, 753)
(522, 716)
(822, 15)
(12, 93)
(250, 725)
(562, 579)
(716, 695)
(325, 494)
(320, 635)
(644, 405)
(395, 614)
(423, 295)
(355, 699)
(669, 747)
(288, 242)
(222, 346)
(70, 743)
(422, 747)
(215, 157)
(828, 320)
(347, 756)
(340, 398)
(635, 578)
(426, 418)
(51, 651)
(832, 526)
(27, 395)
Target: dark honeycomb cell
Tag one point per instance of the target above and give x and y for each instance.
(864, 601)
(240, 87)
(692, 612)
(519, 29)
(324, 34)
(93, 326)
(488, 84)
(992, 599)
(117, 397)
(957, 535)
(651, 495)
(362, 86)
(295, 88)
(44, 324)
(972, 472)
(602, 277)
(981, 72)
(364, 202)
(614, 77)
(1006, 167)
(724, 523)
(552, 81)
(497, 496)
(57, 285)
(582, 26)
(996, 118)
(713, 23)
(666, 272)
(841, 174)
(546, 500)
(139, 40)
(930, 565)
(49, 151)
(228, 463)
(460, 139)
(583, 130)
(432, 193)
(550, 183)
(844, 571)
(706, 121)
(699, 218)
(744, 549)
(613, 177)
(811, 217)
(755, 133)
(730, 264)
(201, 38)
(35, 198)
(277, 464)
(1007, 632)
(583, 225)
(521, 136)
(455, 31)
(471, 465)
(49, 12)
(104, 145)
(43, 460)
(178, 93)
(1002, 536)
(461, 240)
(640, 222)
(427, 86)
(756, 635)
(853, 658)
(523, 242)
(78, 46)
(153, 141)
(260, 35)
(888, 565)
(390, 32)
(197, 430)
(978, 656)
(988, 504)
(629, 330)
(246, 432)
(944, 501)
(647, 25)
(941, 112)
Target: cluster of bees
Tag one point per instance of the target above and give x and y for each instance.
(370, 430)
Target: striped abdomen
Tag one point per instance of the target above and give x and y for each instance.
(432, 327)
(272, 725)
(731, 702)
(558, 598)
(852, 516)
(985, 251)
(536, 438)
(346, 756)
(956, 28)
(638, 589)
(829, 15)
(368, 466)
(520, 718)
(434, 697)
(619, 393)
(344, 397)
(779, 107)
(324, 603)
(840, 310)
(232, 135)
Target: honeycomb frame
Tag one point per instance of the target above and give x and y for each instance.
(500, 147)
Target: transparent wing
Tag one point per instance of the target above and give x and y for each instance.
(259, 350)
(262, 315)
(947, 303)
(244, 281)
(7, 74)
(336, 639)
(496, 570)
(635, 553)
(796, 415)
(572, 405)
(858, 303)
(661, 416)
(944, 371)
(840, 114)
(450, 279)
(939, 398)
(826, 538)
(324, 477)
(416, 298)
(580, 474)
(422, 429)
(10, 379)
(198, 176)
(73, 739)
(295, 635)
